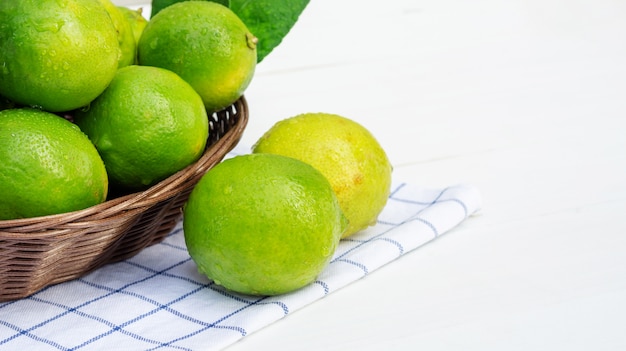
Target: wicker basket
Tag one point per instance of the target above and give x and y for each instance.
(38, 252)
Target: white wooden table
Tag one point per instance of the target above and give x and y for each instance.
(525, 99)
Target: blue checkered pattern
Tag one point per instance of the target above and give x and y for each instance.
(158, 301)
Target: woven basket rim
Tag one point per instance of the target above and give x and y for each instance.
(136, 199)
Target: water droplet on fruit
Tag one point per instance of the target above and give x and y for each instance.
(104, 143)
(53, 27)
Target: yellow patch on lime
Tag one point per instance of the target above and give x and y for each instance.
(262, 224)
(48, 166)
(345, 152)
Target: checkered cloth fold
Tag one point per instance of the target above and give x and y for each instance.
(158, 301)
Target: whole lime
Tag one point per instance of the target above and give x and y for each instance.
(345, 152)
(56, 54)
(206, 44)
(262, 224)
(147, 125)
(48, 166)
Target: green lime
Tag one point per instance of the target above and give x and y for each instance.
(48, 166)
(206, 44)
(125, 36)
(58, 55)
(147, 125)
(345, 152)
(262, 224)
(136, 20)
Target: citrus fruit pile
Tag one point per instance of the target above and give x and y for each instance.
(95, 97)
(139, 91)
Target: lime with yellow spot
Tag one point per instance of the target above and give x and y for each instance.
(205, 43)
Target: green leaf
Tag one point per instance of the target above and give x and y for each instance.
(269, 20)
(158, 5)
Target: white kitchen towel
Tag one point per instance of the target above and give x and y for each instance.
(158, 301)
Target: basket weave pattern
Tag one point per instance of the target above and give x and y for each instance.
(38, 252)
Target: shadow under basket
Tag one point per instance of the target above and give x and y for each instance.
(42, 251)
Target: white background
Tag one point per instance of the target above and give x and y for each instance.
(526, 99)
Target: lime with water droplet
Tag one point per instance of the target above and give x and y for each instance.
(48, 166)
(147, 125)
(206, 44)
(262, 224)
(36, 35)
